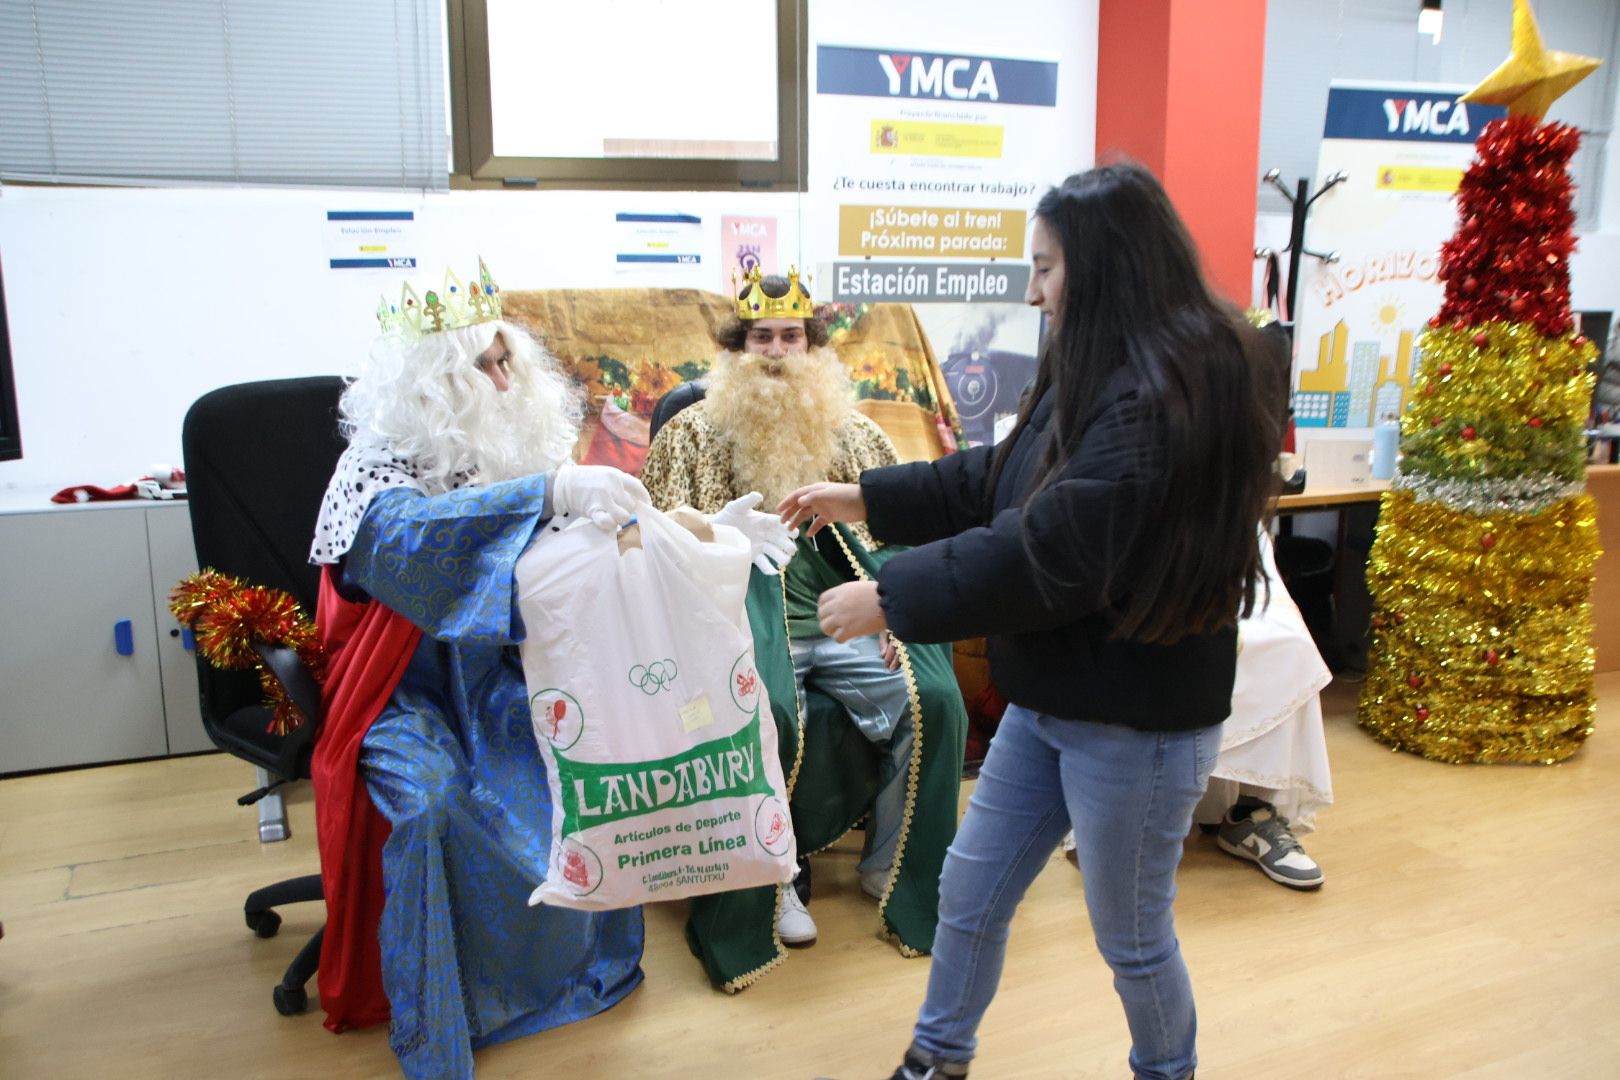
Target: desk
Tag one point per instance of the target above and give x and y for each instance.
(1328, 499)
(1334, 498)
(1342, 647)
(1602, 483)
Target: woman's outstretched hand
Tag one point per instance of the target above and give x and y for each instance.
(821, 504)
(851, 610)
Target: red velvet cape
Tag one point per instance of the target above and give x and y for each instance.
(368, 647)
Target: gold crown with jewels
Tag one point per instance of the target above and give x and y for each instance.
(453, 307)
(794, 304)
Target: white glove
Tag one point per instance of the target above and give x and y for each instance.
(769, 541)
(600, 492)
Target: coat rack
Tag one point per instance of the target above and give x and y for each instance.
(1301, 201)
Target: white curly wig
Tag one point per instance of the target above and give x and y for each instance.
(428, 401)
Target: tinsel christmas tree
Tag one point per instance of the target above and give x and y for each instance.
(1481, 570)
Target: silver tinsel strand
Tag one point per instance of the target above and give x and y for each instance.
(1520, 495)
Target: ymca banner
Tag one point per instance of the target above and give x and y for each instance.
(1403, 150)
(892, 73)
(928, 149)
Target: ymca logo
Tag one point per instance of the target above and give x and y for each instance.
(906, 73)
(1418, 114)
(1428, 117)
(936, 76)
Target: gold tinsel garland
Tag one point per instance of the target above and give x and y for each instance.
(1482, 631)
(228, 616)
(1500, 557)
(1498, 400)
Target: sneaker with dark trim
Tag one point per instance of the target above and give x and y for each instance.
(921, 1065)
(1261, 835)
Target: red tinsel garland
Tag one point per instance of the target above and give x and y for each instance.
(1509, 258)
(228, 616)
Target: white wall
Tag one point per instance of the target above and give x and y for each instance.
(1594, 269)
(126, 305)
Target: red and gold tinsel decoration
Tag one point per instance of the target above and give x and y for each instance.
(1481, 571)
(1509, 258)
(228, 615)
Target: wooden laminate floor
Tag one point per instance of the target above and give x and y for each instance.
(1469, 927)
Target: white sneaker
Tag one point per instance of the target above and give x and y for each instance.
(873, 882)
(1263, 837)
(793, 923)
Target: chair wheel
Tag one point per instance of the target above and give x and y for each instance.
(290, 1000)
(263, 923)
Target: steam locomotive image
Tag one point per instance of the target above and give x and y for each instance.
(987, 386)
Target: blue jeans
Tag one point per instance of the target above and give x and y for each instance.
(853, 674)
(1129, 795)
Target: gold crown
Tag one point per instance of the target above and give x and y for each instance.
(794, 304)
(455, 307)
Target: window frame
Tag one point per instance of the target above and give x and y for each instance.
(475, 164)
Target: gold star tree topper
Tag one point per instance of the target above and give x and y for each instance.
(1533, 76)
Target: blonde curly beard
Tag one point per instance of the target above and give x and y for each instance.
(781, 416)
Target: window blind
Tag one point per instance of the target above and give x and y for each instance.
(295, 92)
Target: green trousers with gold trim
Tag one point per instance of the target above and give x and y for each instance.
(833, 773)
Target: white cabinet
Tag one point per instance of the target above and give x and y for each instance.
(173, 556)
(92, 666)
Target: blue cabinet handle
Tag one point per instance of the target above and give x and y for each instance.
(188, 640)
(124, 637)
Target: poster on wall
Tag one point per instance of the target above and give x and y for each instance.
(926, 163)
(1403, 151)
(746, 243)
(668, 245)
(370, 239)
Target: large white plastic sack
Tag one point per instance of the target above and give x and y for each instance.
(657, 737)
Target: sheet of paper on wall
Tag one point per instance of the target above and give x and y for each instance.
(746, 242)
(370, 239)
(659, 248)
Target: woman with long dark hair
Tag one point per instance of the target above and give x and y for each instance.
(1106, 548)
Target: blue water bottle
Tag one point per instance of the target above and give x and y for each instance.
(1386, 446)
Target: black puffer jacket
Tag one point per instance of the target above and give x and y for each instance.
(973, 571)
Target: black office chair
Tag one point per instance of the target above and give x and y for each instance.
(257, 458)
(688, 393)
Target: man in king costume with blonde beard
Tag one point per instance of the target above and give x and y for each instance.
(872, 728)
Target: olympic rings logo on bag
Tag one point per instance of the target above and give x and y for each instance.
(654, 677)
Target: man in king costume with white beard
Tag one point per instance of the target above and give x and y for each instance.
(778, 413)
(432, 810)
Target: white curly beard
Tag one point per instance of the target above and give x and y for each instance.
(782, 416)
